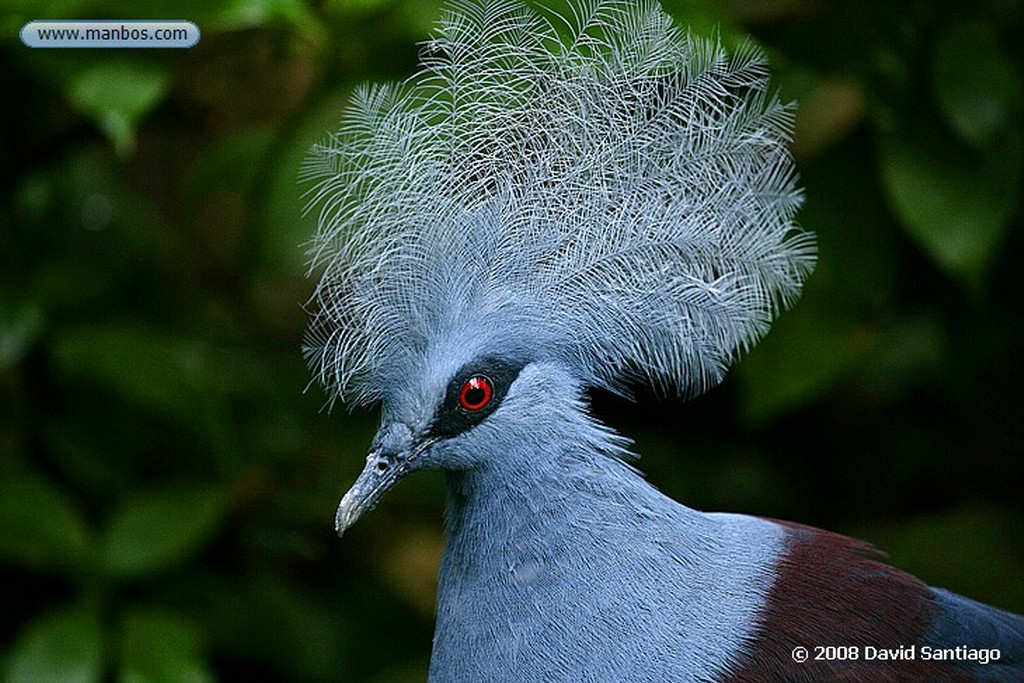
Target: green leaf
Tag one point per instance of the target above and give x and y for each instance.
(908, 349)
(157, 530)
(974, 82)
(957, 204)
(19, 12)
(157, 369)
(277, 624)
(39, 525)
(19, 329)
(117, 94)
(235, 14)
(161, 647)
(66, 646)
(284, 223)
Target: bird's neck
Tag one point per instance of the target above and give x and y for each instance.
(501, 509)
(557, 536)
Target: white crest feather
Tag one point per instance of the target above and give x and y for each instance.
(602, 189)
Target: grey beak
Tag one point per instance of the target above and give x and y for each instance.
(396, 452)
(381, 472)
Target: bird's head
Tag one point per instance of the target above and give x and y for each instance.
(480, 414)
(434, 421)
(552, 204)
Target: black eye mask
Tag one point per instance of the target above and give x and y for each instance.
(474, 392)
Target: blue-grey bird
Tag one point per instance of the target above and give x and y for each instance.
(560, 203)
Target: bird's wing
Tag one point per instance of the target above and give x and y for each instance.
(836, 612)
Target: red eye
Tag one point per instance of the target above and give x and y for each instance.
(476, 393)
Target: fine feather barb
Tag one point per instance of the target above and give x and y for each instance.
(601, 189)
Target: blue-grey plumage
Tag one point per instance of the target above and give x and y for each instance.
(556, 204)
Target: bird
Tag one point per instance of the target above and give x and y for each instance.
(560, 202)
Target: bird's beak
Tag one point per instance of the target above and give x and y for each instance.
(381, 472)
(384, 468)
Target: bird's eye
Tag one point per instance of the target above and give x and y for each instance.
(476, 393)
(472, 394)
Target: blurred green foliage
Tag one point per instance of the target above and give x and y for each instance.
(167, 485)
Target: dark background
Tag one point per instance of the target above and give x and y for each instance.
(167, 481)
